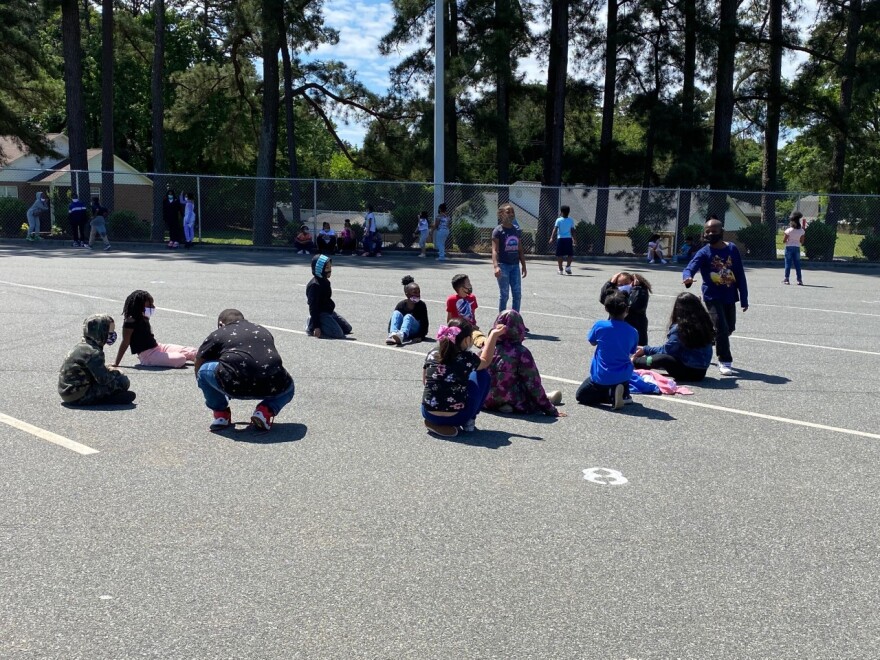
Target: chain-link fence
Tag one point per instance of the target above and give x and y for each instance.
(614, 221)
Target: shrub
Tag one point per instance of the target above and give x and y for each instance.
(693, 231)
(758, 240)
(289, 231)
(358, 230)
(125, 225)
(464, 234)
(870, 247)
(13, 213)
(406, 217)
(819, 241)
(586, 237)
(640, 235)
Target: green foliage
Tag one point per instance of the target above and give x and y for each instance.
(464, 234)
(870, 247)
(13, 212)
(586, 237)
(640, 235)
(758, 241)
(125, 225)
(693, 231)
(406, 217)
(358, 229)
(819, 240)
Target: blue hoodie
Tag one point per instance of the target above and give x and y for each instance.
(695, 358)
(78, 212)
(319, 293)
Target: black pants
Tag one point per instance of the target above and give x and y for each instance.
(78, 229)
(591, 394)
(672, 366)
(327, 247)
(724, 319)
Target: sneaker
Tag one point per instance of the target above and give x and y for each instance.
(107, 248)
(397, 338)
(628, 400)
(469, 426)
(786, 282)
(443, 430)
(87, 246)
(800, 283)
(560, 272)
(420, 256)
(76, 244)
(262, 418)
(555, 397)
(30, 237)
(222, 419)
(506, 408)
(568, 270)
(664, 261)
(175, 244)
(37, 237)
(617, 399)
(390, 341)
(726, 369)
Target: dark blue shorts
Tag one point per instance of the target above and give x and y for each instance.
(564, 247)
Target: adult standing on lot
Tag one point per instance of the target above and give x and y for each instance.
(508, 258)
(78, 217)
(724, 283)
(371, 241)
(171, 214)
(441, 232)
(239, 361)
(793, 240)
(40, 206)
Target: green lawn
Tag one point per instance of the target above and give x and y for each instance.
(846, 246)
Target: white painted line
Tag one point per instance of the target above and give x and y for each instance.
(43, 434)
(785, 420)
(803, 309)
(791, 343)
(66, 293)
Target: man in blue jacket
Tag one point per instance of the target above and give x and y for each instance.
(78, 216)
(724, 283)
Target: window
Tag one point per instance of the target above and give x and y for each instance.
(9, 191)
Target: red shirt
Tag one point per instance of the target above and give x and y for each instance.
(464, 308)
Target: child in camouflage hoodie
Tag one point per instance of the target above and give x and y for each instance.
(84, 379)
(516, 384)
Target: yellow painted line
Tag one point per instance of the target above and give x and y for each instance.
(48, 436)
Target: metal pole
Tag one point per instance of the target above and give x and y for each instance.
(439, 99)
(675, 233)
(199, 204)
(315, 205)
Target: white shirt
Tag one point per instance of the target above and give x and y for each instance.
(793, 237)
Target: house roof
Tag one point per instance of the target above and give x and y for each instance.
(14, 149)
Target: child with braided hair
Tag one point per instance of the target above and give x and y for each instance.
(137, 311)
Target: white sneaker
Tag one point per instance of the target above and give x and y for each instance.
(469, 426)
(560, 272)
(107, 248)
(664, 261)
(628, 401)
(555, 397)
(617, 401)
(397, 338)
(726, 369)
(568, 270)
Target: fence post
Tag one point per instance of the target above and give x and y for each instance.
(315, 206)
(199, 204)
(675, 236)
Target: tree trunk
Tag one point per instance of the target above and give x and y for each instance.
(108, 196)
(769, 175)
(722, 158)
(264, 203)
(293, 168)
(844, 109)
(688, 86)
(73, 92)
(502, 88)
(157, 90)
(554, 122)
(450, 113)
(606, 139)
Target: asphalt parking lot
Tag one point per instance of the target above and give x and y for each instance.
(740, 522)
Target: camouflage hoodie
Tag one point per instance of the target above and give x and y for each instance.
(84, 376)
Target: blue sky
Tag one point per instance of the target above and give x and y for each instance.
(362, 23)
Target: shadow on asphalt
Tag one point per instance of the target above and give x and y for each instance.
(281, 432)
(485, 439)
(730, 382)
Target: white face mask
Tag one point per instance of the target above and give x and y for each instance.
(149, 311)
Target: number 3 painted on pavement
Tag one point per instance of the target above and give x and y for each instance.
(605, 476)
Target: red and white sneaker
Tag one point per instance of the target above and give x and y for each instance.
(262, 418)
(222, 419)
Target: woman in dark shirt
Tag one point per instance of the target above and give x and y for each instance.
(137, 333)
(456, 381)
(409, 320)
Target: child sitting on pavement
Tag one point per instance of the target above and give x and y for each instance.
(323, 320)
(463, 305)
(84, 379)
(409, 320)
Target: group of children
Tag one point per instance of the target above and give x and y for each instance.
(458, 382)
(328, 241)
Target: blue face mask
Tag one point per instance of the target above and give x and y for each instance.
(626, 288)
(111, 338)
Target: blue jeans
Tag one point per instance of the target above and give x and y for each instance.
(793, 256)
(440, 237)
(406, 325)
(477, 390)
(510, 281)
(216, 399)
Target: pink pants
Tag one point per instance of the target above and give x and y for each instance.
(167, 355)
